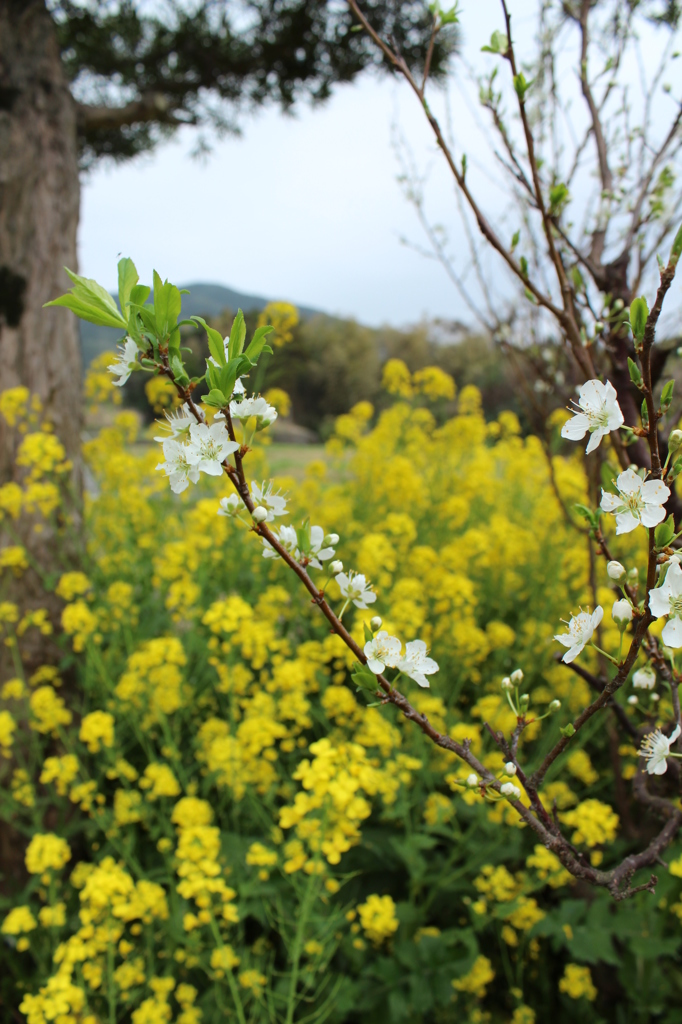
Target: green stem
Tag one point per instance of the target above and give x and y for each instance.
(298, 946)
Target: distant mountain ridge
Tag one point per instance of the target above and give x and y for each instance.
(205, 300)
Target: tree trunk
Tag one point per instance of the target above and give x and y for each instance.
(39, 201)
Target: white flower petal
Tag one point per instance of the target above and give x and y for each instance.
(672, 633)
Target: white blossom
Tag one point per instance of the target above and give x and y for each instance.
(336, 567)
(510, 768)
(375, 623)
(354, 587)
(667, 600)
(416, 664)
(125, 362)
(255, 406)
(178, 423)
(509, 789)
(177, 467)
(287, 537)
(580, 630)
(259, 514)
(383, 650)
(274, 502)
(209, 447)
(517, 676)
(638, 501)
(644, 678)
(472, 780)
(597, 412)
(319, 553)
(230, 506)
(656, 748)
(616, 571)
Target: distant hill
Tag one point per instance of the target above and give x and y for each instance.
(205, 300)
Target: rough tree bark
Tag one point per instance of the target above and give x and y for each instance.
(39, 202)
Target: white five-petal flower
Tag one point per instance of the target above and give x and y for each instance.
(178, 423)
(597, 411)
(319, 554)
(656, 748)
(177, 465)
(354, 587)
(637, 502)
(209, 447)
(416, 664)
(580, 630)
(274, 502)
(286, 535)
(125, 362)
(383, 650)
(255, 406)
(667, 600)
(230, 506)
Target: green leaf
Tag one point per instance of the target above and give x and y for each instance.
(667, 395)
(515, 240)
(608, 475)
(639, 311)
(94, 314)
(167, 305)
(499, 43)
(139, 294)
(146, 315)
(645, 414)
(127, 279)
(362, 677)
(178, 369)
(665, 532)
(558, 196)
(676, 250)
(93, 294)
(523, 263)
(216, 399)
(521, 85)
(237, 336)
(369, 635)
(568, 730)
(257, 344)
(635, 373)
(216, 345)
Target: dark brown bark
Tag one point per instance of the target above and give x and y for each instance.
(39, 201)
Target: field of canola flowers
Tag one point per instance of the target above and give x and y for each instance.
(217, 826)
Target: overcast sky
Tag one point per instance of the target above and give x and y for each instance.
(304, 208)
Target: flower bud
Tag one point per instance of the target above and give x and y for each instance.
(259, 514)
(472, 780)
(644, 678)
(507, 683)
(655, 696)
(618, 304)
(509, 789)
(554, 705)
(633, 577)
(375, 623)
(621, 614)
(616, 572)
(524, 701)
(517, 676)
(336, 567)
(598, 327)
(675, 440)
(634, 699)
(510, 768)
(330, 540)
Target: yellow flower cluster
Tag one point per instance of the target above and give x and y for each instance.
(378, 918)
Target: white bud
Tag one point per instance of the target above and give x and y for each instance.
(633, 577)
(616, 571)
(554, 705)
(510, 768)
(259, 514)
(621, 614)
(507, 683)
(517, 676)
(644, 678)
(524, 701)
(675, 440)
(375, 623)
(634, 699)
(509, 789)
(655, 696)
(330, 540)
(472, 780)
(336, 567)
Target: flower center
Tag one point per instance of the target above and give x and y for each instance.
(676, 607)
(633, 502)
(598, 416)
